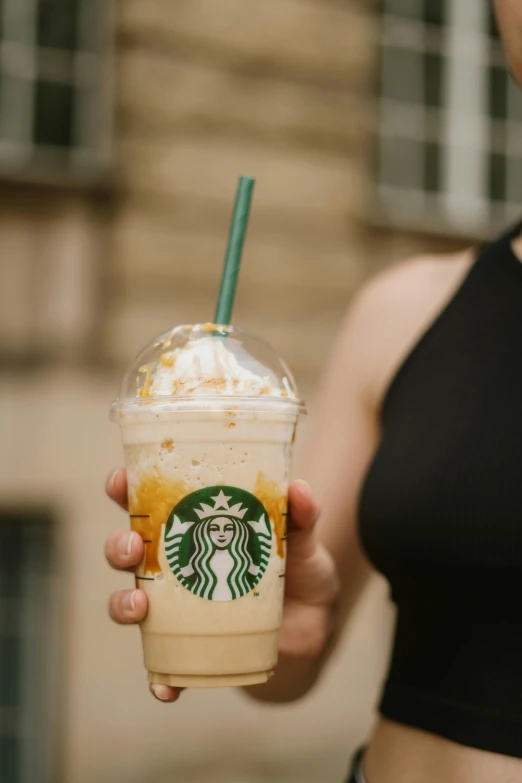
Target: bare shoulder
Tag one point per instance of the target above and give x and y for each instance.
(410, 288)
(393, 310)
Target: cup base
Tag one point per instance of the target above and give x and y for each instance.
(210, 660)
(210, 681)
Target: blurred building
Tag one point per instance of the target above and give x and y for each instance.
(373, 135)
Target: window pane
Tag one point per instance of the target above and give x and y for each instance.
(10, 679)
(402, 74)
(55, 65)
(432, 179)
(16, 95)
(433, 64)
(57, 23)
(18, 21)
(410, 8)
(89, 121)
(26, 718)
(497, 177)
(514, 99)
(10, 558)
(93, 32)
(514, 180)
(53, 123)
(10, 647)
(9, 759)
(402, 163)
(498, 94)
(434, 11)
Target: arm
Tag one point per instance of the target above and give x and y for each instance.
(340, 444)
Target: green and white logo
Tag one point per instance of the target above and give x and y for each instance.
(218, 542)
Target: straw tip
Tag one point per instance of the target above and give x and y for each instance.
(246, 178)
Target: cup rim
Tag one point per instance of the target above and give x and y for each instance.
(207, 402)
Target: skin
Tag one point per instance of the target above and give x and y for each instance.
(326, 569)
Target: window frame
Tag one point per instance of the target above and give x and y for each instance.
(38, 713)
(434, 128)
(24, 61)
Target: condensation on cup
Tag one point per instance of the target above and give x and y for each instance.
(208, 417)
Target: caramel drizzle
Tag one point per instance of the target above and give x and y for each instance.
(276, 504)
(168, 359)
(150, 504)
(147, 384)
(168, 444)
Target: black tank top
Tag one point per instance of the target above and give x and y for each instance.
(441, 515)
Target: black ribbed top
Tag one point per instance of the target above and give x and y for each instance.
(441, 515)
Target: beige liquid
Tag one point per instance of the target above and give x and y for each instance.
(189, 640)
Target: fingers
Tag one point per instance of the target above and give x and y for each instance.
(124, 550)
(165, 693)
(128, 606)
(116, 487)
(302, 506)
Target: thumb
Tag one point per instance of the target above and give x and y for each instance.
(303, 509)
(303, 514)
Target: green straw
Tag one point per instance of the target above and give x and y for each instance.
(236, 240)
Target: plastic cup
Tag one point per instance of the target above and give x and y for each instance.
(208, 460)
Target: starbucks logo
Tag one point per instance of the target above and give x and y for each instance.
(218, 542)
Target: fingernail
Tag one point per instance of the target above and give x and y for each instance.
(111, 479)
(161, 692)
(125, 544)
(128, 601)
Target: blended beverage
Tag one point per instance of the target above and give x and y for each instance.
(208, 417)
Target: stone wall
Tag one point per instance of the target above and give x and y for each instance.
(52, 256)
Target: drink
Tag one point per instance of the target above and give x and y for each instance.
(208, 421)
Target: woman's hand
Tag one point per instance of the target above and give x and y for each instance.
(124, 550)
(311, 581)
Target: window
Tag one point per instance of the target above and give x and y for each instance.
(26, 654)
(53, 85)
(450, 142)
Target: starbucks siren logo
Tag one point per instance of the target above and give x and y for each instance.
(218, 542)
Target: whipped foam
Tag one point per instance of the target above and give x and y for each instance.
(206, 366)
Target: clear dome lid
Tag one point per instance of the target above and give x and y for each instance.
(203, 361)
